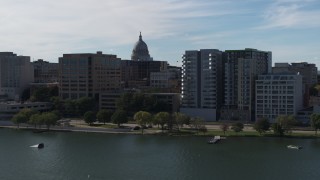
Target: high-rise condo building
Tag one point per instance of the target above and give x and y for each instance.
(16, 73)
(201, 83)
(241, 69)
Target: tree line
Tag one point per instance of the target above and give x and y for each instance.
(35, 118)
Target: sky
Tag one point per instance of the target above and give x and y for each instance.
(47, 29)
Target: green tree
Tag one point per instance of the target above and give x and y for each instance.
(277, 129)
(35, 119)
(315, 122)
(261, 125)
(89, 117)
(25, 94)
(85, 104)
(142, 118)
(58, 103)
(237, 127)
(197, 124)
(181, 119)
(203, 129)
(104, 116)
(70, 107)
(44, 94)
(23, 116)
(18, 119)
(125, 102)
(50, 119)
(28, 112)
(224, 127)
(119, 117)
(161, 118)
(286, 122)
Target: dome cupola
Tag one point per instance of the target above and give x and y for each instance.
(140, 51)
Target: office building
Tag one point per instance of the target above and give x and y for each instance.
(308, 72)
(87, 75)
(136, 74)
(45, 72)
(16, 73)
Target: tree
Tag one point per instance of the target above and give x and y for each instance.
(89, 117)
(104, 116)
(315, 122)
(44, 93)
(28, 112)
(58, 103)
(286, 122)
(50, 118)
(25, 94)
(18, 119)
(85, 104)
(224, 127)
(181, 119)
(119, 117)
(277, 129)
(261, 125)
(35, 119)
(70, 107)
(23, 116)
(237, 127)
(161, 118)
(203, 129)
(197, 124)
(142, 118)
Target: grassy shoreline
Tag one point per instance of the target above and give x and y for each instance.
(182, 132)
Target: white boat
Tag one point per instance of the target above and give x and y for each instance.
(216, 139)
(294, 147)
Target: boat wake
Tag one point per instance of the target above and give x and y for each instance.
(35, 146)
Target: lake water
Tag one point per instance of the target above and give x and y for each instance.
(77, 156)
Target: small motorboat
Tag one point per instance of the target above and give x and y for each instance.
(294, 147)
(215, 140)
(41, 145)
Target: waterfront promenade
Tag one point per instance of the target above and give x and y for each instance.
(127, 128)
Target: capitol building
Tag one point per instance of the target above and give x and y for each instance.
(140, 51)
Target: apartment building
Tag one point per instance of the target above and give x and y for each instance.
(241, 69)
(201, 82)
(278, 94)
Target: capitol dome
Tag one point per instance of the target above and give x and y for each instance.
(140, 51)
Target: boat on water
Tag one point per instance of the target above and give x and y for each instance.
(294, 147)
(39, 146)
(215, 140)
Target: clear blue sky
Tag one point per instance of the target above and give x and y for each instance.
(48, 28)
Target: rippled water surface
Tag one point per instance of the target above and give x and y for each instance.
(106, 156)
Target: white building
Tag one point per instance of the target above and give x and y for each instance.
(278, 94)
(16, 73)
(201, 90)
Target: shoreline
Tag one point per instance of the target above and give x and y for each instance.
(189, 133)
